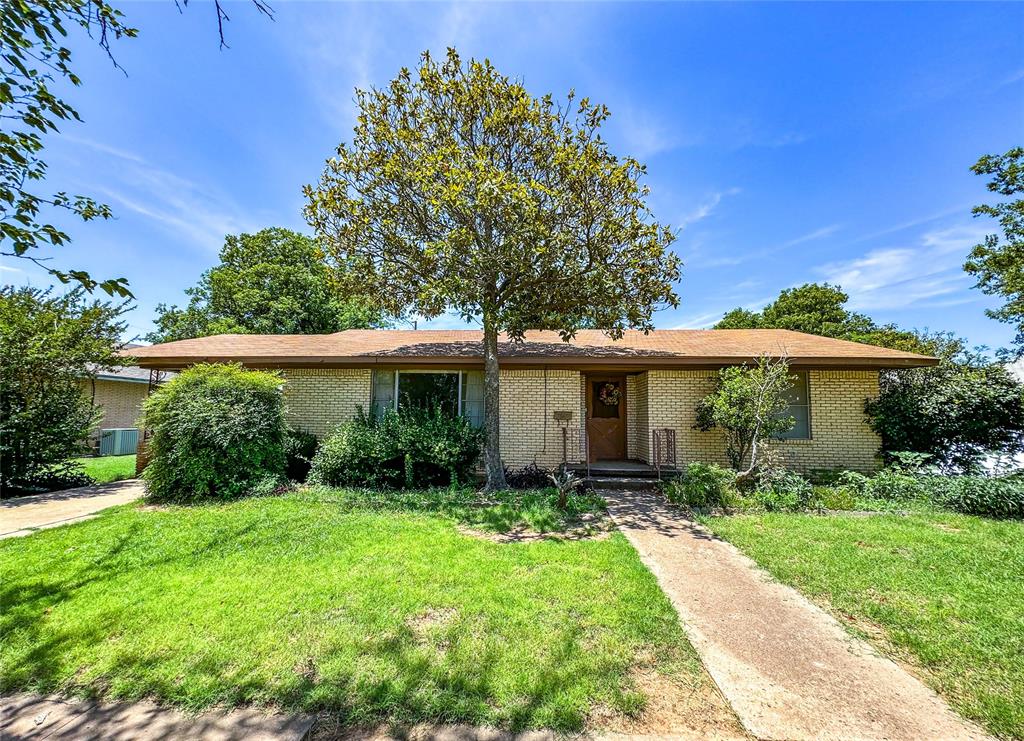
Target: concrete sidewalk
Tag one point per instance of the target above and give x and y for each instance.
(35, 717)
(788, 669)
(25, 515)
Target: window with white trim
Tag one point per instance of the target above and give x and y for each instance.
(452, 392)
(798, 407)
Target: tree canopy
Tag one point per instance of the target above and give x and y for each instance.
(34, 64)
(461, 191)
(820, 308)
(998, 262)
(275, 281)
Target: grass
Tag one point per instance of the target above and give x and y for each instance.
(943, 592)
(326, 600)
(109, 467)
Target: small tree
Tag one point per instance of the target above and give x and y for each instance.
(218, 432)
(49, 348)
(747, 405)
(462, 191)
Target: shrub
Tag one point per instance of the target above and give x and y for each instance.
(703, 485)
(779, 490)
(1001, 497)
(218, 431)
(299, 450)
(410, 448)
(528, 477)
(832, 497)
(888, 485)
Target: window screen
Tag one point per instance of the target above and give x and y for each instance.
(473, 397)
(383, 391)
(799, 408)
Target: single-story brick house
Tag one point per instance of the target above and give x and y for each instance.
(611, 396)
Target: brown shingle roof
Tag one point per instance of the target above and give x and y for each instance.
(662, 347)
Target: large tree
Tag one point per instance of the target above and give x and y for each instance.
(34, 66)
(275, 281)
(820, 308)
(49, 345)
(998, 262)
(462, 191)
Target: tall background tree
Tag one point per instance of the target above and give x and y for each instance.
(461, 191)
(50, 345)
(275, 281)
(34, 63)
(957, 412)
(998, 262)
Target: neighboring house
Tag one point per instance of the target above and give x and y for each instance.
(118, 393)
(612, 397)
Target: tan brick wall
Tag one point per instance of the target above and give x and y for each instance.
(529, 432)
(319, 399)
(840, 435)
(120, 402)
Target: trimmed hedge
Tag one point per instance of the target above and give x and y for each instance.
(218, 433)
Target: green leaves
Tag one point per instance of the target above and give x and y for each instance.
(461, 191)
(275, 281)
(998, 262)
(747, 406)
(31, 60)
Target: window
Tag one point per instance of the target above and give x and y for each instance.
(454, 392)
(799, 408)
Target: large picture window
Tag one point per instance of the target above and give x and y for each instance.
(451, 392)
(799, 407)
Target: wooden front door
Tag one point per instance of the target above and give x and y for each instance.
(606, 417)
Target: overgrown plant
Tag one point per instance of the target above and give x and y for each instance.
(407, 448)
(218, 433)
(461, 191)
(748, 406)
(566, 482)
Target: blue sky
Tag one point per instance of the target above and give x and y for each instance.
(787, 142)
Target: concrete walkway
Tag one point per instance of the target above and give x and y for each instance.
(25, 515)
(788, 669)
(35, 717)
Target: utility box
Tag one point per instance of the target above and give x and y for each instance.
(119, 441)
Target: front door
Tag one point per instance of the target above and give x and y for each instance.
(606, 417)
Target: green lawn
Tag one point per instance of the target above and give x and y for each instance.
(944, 592)
(323, 600)
(109, 467)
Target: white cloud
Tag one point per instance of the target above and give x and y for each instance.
(199, 213)
(825, 231)
(705, 209)
(927, 274)
(645, 135)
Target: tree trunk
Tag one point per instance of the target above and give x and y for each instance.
(492, 410)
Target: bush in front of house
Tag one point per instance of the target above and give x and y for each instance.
(987, 496)
(404, 449)
(703, 485)
(300, 448)
(781, 490)
(218, 432)
(530, 476)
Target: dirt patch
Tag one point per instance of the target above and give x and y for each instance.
(587, 527)
(946, 528)
(674, 709)
(424, 621)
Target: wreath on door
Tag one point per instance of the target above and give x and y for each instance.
(609, 395)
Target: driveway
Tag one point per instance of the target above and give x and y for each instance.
(788, 669)
(25, 515)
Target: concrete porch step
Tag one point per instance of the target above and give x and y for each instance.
(631, 483)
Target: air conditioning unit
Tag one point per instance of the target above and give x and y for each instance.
(119, 441)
